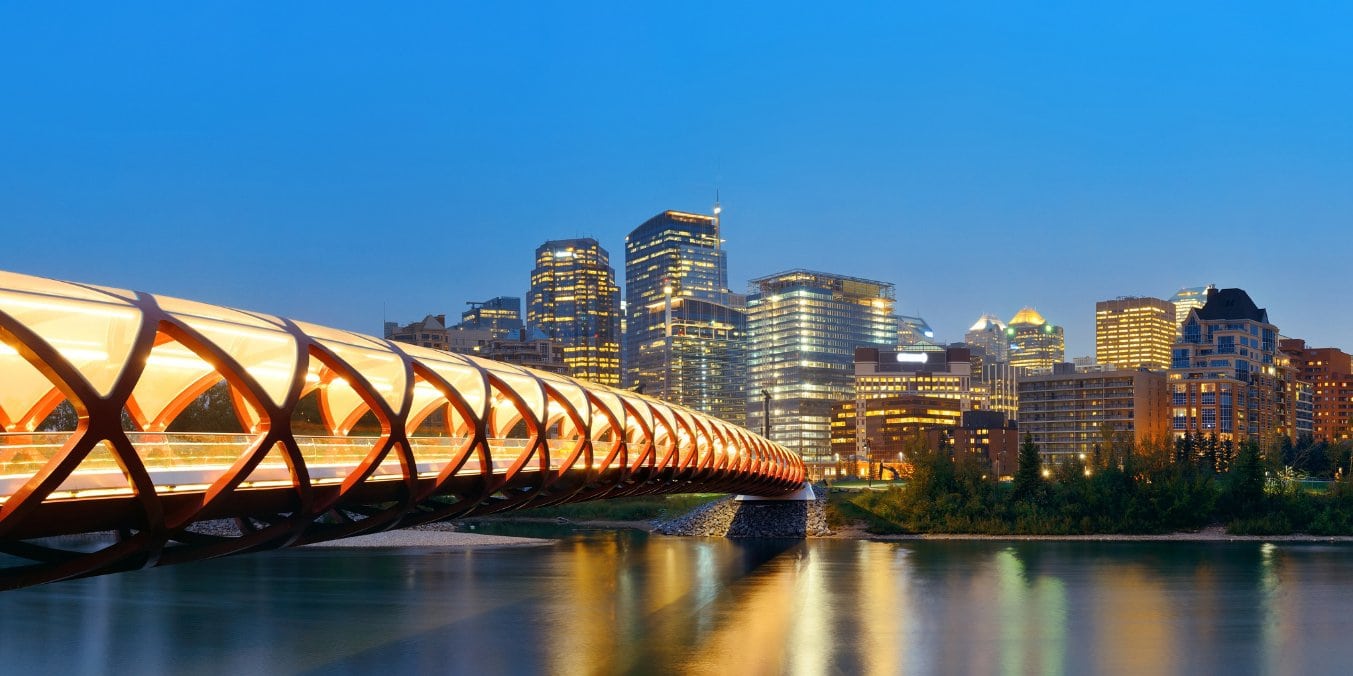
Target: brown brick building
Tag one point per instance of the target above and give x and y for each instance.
(983, 433)
(1329, 370)
(891, 427)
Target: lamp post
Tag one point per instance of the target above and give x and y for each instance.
(868, 464)
(765, 413)
(667, 343)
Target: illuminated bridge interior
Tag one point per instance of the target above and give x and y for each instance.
(154, 418)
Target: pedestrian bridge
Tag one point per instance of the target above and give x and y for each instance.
(160, 419)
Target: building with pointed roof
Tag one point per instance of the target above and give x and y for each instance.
(1226, 377)
(1035, 344)
(988, 333)
(915, 332)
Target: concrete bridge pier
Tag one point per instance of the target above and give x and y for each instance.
(796, 515)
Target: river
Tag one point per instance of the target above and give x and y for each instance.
(627, 602)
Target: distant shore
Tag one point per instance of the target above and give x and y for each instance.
(1214, 534)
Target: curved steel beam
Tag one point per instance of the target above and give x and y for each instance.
(128, 365)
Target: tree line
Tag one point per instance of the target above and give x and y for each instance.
(1191, 483)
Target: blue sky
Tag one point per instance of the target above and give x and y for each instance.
(330, 160)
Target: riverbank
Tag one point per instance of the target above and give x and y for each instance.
(1213, 534)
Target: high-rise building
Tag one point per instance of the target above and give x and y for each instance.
(989, 334)
(1134, 332)
(685, 331)
(574, 300)
(1035, 345)
(1076, 413)
(914, 332)
(1186, 299)
(803, 328)
(999, 388)
(500, 316)
(1329, 371)
(944, 374)
(1225, 376)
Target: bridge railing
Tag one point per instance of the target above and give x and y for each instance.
(179, 462)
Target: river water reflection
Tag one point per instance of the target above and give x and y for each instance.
(630, 603)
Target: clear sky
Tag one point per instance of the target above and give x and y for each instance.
(328, 160)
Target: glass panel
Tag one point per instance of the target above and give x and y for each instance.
(23, 389)
(465, 378)
(95, 337)
(381, 367)
(171, 369)
(268, 355)
(272, 471)
(390, 466)
(98, 475)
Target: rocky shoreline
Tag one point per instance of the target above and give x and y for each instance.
(732, 518)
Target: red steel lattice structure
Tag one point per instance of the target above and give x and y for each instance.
(149, 416)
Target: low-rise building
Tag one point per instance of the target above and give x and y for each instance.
(1074, 413)
(531, 349)
(985, 434)
(879, 433)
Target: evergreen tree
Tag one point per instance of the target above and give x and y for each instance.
(1226, 454)
(1247, 481)
(1029, 476)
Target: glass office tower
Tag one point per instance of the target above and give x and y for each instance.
(685, 331)
(803, 328)
(1035, 345)
(1134, 332)
(574, 300)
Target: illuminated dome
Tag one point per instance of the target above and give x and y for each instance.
(1028, 317)
(988, 322)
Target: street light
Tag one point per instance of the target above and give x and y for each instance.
(667, 342)
(765, 413)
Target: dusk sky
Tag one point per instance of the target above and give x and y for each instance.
(327, 160)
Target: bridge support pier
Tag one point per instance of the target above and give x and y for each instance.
(799, 514)
(804, 494)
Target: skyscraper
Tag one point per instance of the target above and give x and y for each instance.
(989, 334)
(574, 300)
(803, 328)
(1186, 299)
(915, 332)
(1035, 345)
(685, 331)
(1132, 333)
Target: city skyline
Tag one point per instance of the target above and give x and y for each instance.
(1063, 163)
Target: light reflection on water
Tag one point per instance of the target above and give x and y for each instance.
(628, 603)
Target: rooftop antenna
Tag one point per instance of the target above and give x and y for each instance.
(718, 241)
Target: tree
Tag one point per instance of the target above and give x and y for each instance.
(1246, 486)
(1210, 452)
(1029, 476)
